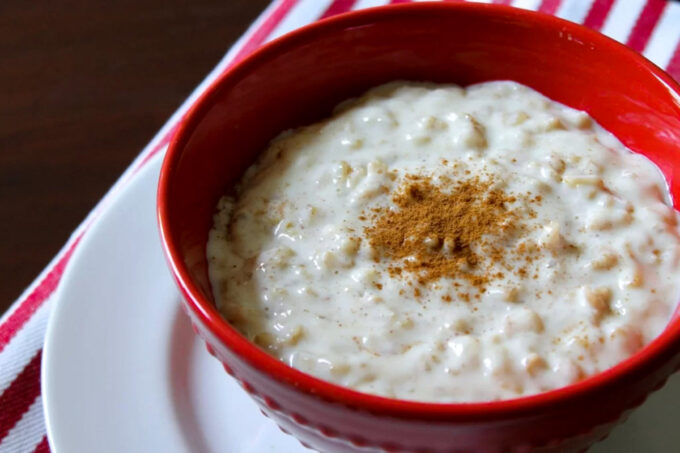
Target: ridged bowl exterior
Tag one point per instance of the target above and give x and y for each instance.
(331, 427)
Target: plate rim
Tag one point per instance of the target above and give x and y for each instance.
(59, 301)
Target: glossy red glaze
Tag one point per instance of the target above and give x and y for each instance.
(298, 79)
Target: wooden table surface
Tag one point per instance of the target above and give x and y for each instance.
(84, 85)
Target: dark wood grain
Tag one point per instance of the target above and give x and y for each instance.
(83, 87)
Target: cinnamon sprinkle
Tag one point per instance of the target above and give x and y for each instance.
(445, 230)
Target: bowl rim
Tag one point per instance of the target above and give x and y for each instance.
(651, 355)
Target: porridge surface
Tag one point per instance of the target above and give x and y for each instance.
(435, 243)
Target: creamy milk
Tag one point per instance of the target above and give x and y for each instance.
(293, 270)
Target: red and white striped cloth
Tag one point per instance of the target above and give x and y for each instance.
(651, 27)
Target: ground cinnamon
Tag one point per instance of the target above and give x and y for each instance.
(443, 230)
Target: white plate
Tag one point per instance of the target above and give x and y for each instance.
(123, 372)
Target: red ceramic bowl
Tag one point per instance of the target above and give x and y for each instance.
(297, 80)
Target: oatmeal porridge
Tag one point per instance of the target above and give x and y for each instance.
(437, 243)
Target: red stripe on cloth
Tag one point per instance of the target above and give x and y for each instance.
(43, 446)
(598, 13)
(673, 67)
(35, 299)
(502, 2)
(549, 6)
(338, 7)
(649, 17)
(255, 41)
(20, 394)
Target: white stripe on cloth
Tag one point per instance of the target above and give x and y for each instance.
(622, 18)
(665, 37)
(27, 433)
(361, 4)
(574, 10)
(527, 4)
(301, 14)
(24, 345)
